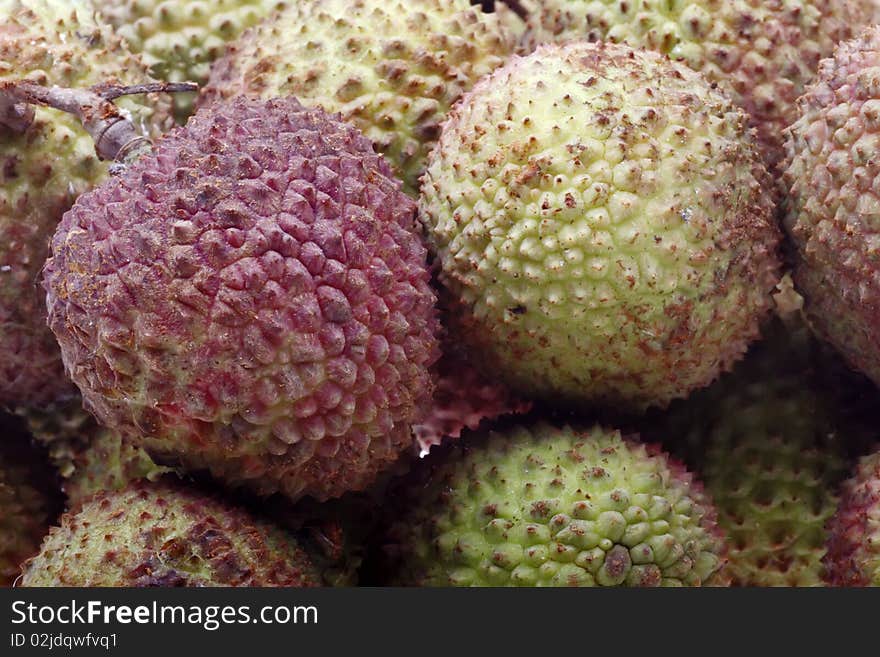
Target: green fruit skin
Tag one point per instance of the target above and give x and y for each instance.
(763, 53)
(772, 441)
(603, 227)
(163, 534)
(547, 506)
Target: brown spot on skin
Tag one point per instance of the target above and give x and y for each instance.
(575, 455)
(10, 167)
(540, 509)
(617, 562)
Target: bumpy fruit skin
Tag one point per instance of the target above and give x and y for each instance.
(44, 169)
(853, 557)
(769, 440)
(763, 52)
(833, 208)
(252, 298)
(603, 226)
(162, 534)
(392, 67)
(28, 504)
(546, 506)
(179, 39)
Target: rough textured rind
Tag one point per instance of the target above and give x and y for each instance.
(853, 557)
(161, 534)
(764, 52)
(392, 67)
(29, 500)
(833, 205)
(603, 224)
(770, 441)
(546, 506)
(44, 169)
(253, 298)
(178, 38)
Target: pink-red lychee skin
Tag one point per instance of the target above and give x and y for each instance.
(832, 185)
(853, 554)
(253, 298)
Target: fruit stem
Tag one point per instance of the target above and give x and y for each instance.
(115, 136)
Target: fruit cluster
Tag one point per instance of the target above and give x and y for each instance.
(439, 293)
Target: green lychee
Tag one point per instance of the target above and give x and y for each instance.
(88, 457)
(108, 463)
(770, 443)
(179, 38)
(543, 506)
(603, 226)
(162, 534)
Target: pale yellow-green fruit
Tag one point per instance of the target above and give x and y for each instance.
(603, 226)
(553, 506)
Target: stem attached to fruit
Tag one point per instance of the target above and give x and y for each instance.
(116, 138)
